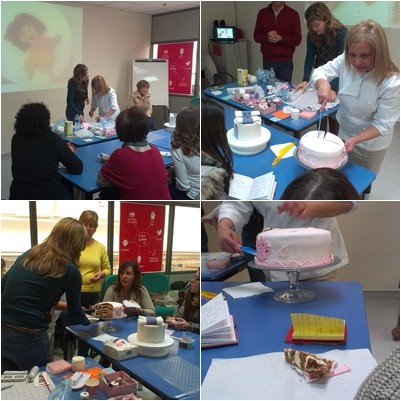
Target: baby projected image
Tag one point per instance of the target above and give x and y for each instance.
(28, 34)
(40, 45)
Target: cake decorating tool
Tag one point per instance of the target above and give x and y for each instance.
(282, 152)
(248, 250)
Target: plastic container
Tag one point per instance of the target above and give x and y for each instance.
(130, 386)
(272, 77)
(62, 391)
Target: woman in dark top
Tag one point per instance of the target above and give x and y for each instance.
(36, 153)
(32, 287)
(77, 93)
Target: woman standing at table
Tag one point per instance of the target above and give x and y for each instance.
(325, 42)
(93, 263)
(36, 152)
(216, 155)
(32, 287)
(188, 316)
(104, 97)
(136, 169)
(77, 93)
(129, 288)
(141, 100)
(369, 93)
(185, 153)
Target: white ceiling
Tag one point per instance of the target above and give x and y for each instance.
(146, 7)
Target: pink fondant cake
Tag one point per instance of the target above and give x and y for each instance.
(294, 247)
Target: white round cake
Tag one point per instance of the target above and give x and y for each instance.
(151, 329)
(294, 247)
(318, 150)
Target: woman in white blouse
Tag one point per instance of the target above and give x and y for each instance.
(369, 93)
(104, 97)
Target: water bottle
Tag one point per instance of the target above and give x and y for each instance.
(272, 77)
(62, 391)
(77, 123)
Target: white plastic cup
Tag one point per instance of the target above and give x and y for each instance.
(295, 114)
(78, 363)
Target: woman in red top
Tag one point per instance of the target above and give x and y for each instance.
(137, 168)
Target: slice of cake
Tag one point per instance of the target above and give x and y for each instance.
(313, 365)
(108, 310)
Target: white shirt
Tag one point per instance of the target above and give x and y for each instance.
(187, 172)
(240, 212)
(106, 103)
(363, 102)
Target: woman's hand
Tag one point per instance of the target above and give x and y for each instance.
(301, 86)
(349, 145)
(131, 311)
(179, 323)
(323, 92)
(72, 147)
(228, 238)
(96, 277)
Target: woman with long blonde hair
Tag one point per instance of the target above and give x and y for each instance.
(104, 97)
(369, 93)
(32, 287)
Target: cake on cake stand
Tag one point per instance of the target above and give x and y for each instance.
(153, 350)
(294, 295)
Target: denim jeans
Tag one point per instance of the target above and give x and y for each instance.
(22, 351)
(283, 69)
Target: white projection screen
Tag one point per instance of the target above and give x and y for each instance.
(40, 45)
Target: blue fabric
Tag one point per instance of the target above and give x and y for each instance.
(247, 117)
(151, 320)
(22, 351)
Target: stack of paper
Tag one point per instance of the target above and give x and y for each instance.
(243, 187)
(315, 328)
(217, 326)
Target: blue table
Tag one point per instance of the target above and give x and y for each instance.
(86, 181)
(263, 323)
(288, 169)
(171, 377)
(295, 126)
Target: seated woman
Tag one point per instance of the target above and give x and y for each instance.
(188, 316)
(137, 168)
(36, 152)
(186, 154)
(129, 288)
(216, 155)
(141, 100)
(104, 97)
(321, 184)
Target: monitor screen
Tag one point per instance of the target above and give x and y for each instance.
(225, 33)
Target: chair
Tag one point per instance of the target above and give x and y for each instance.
(158, 285)
(160, 116)
(107, 282)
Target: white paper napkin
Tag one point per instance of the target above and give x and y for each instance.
(276, 149)
(104, 337)
(269, 377)
(247, 290)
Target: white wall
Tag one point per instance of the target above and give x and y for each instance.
(372, 237)
(243, 15)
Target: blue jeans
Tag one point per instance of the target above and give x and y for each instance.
(283, 69)
(22, 351)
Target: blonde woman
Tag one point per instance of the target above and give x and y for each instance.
(94, 262)
(369, 93)
(32, 287)
(104, 97)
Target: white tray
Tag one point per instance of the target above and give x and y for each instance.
(248, 147)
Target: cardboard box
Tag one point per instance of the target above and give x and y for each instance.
(120, 352)
(130, 385)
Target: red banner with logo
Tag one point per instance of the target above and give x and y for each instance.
(179, 57)
(141, 235)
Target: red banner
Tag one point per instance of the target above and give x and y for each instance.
(141, 235)
(179, 57)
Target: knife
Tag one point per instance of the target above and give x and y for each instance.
(282, 152)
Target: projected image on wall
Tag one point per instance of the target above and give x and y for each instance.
(41, 44)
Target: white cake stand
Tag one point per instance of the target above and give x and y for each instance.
(153, 350)
(294, 295)
(248, 147)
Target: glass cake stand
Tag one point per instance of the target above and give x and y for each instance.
(294, 295)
